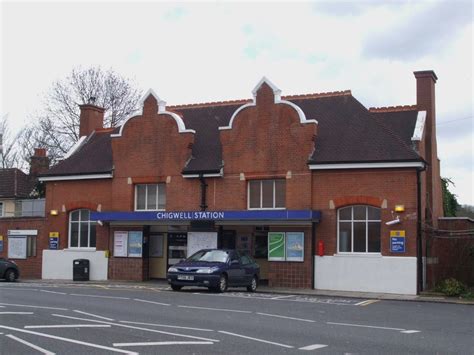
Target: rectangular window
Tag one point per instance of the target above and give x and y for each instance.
(150, 197)
(1, 209)
(266, 194)
(359, 229)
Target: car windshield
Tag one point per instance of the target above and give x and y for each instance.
(219, 256)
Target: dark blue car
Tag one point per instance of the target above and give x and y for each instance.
(215, 269)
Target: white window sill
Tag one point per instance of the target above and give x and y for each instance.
(359, 255)
(80, 249)
(266, 209)
(160, 210)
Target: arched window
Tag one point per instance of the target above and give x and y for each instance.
(81, 230)
(358, 229)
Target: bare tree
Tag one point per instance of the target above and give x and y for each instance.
(9, 156)
(56, 127)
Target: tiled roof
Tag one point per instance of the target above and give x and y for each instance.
(14, 183)
(347, 133)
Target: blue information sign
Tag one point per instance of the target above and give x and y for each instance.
(397, 244)
(53, 243)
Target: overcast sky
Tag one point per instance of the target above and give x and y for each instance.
(197, 52)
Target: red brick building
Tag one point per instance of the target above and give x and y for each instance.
(320, 190)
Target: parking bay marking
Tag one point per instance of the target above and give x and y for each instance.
(139, 328)
(58, 293)
(165, 343)
(257, 339)
(69, 340)
(216, 309)
(366, 302)
(313, 347)
(16, 312)
(152, 302)
(93, 315)
(401, 330)
(67, 326)
(167, 326)
(33, 346)
(99, 296)
(29, 306)
(285, 317)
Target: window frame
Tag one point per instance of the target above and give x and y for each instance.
(89, 225)
(261, 194)
(352, 220)
(2, 206)
(158, 186)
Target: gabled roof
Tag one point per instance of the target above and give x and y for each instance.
(14, 183)
(347, 133)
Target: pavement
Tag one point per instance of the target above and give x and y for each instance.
(426, 296)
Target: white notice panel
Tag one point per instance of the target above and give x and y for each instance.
(201, 240)
(120, 243)
(17, 247)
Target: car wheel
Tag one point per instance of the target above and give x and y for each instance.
(222, 287)
(10, 275)
(253, 285)
(176, 287)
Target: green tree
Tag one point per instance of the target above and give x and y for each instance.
(450, 202)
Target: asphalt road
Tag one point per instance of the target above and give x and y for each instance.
(79, 319)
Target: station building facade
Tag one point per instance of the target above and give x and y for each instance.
(321, 191)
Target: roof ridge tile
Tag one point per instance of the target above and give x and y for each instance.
(398, 108)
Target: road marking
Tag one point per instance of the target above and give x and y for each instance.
(18, 288)
(93, 315)
(68, 326)
(410, 331)
(159, 303)
(313, 347)
(167, 326)
(364, 326)
(26, 305)
(256, 339)
(216, 309)
(281, 297)
(139, 328)
(69, 340)
(58, 293)
(366, 303)
(16, 312)
(165, 343)
(285, 317)
(36, 347)
(98, 296)
(2, 306)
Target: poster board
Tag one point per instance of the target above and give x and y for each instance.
(294, 246)
(135, 244)
(276, 246)
(120, 244)
(156, 245)
(201, 240)
(17, 247)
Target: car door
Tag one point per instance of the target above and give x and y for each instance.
(248, 266)
(3, 267)
(235, 270)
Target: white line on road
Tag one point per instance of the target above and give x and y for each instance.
(158, 303)
(18, 288)
(67, 326)
(410, 331)
(139, 328)
(167, 326)
(29, 306)
(364, 326)
(256, 339)
(165, 343)
(313, 347)
(16, 312)
(215, 309)
(58, 293)
(285, 317)
(98, 296)
(366, 303)
(281, 297)
(93, 315)
(36, 347)
(69, 340)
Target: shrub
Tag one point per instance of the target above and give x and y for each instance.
(451, 287)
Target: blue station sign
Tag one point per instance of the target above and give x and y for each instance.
(397, 244)
(267, 215)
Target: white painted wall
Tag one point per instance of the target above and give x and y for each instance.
(57, 264)
(366, 273)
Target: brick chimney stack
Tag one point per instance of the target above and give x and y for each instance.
(92, 118)
(425, 100)
(39, 162)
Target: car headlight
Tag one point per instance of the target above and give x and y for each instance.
(172, 269)
(207, 270)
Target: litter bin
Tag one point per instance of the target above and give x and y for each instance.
(80, 270)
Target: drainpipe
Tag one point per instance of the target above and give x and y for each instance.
(419, 252)
(203, 192)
